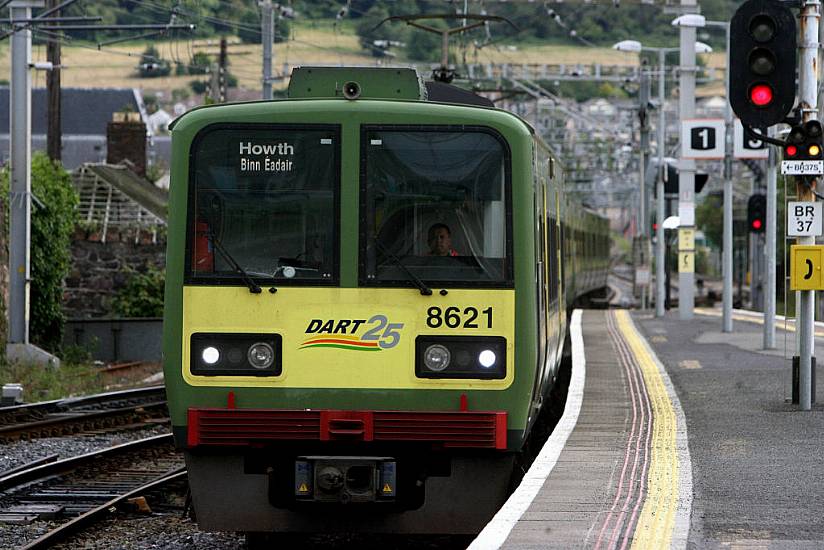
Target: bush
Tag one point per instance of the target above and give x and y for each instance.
(142, 296)
(52, 223)
(200, 63)
(198, 86)
(152, 65)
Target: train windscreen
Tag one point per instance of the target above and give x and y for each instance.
(264, 204)
(434, 202)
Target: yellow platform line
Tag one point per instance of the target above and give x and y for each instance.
(788, 325)
(657, 520)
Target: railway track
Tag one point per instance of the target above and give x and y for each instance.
(113, 410)
(74, 493)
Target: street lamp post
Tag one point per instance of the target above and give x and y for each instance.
(728, 154)
(660, 275)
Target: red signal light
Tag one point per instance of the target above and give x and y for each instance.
(756, 224)
(761, 95)
(791, 150)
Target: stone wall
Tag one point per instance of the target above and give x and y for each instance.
(99, 269)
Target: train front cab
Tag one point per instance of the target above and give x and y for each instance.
(343, 363)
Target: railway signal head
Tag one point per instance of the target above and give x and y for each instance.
(757, 213)
(804, 142)
(762, 62)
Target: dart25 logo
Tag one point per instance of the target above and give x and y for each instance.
(377, 334)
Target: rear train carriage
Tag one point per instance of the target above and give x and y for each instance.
(366, 297)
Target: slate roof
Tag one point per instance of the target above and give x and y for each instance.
(85, 111)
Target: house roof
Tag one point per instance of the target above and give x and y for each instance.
(84, 111)
(114, 195)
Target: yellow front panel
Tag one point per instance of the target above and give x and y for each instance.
(371, 350)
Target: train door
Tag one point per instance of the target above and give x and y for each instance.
(552, 311)
(540, 279)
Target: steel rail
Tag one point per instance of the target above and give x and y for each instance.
(15, 431)
(68, 464)
(96, 514)
(86, 399)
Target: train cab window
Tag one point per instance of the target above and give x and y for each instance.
(264, 198)
(435, 206)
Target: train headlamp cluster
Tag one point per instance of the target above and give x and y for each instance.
(460, 357)
(236, 354)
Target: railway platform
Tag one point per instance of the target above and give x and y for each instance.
(674, 435)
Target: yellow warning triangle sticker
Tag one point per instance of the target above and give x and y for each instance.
(303, 488)
(387, 488)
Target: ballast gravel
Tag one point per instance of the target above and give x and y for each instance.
(18, 453)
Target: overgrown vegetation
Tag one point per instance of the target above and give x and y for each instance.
(152, 65)
(44, 384)
(52, 223)
(142, 295)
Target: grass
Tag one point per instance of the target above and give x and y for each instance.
(312, 42)
(46, 383)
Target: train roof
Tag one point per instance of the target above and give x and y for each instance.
(376, 83)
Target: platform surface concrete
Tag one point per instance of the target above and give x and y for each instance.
(757, 460)
(581, 487)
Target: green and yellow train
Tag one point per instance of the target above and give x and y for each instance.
(367, 290)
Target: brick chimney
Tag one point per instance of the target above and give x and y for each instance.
(126, 140)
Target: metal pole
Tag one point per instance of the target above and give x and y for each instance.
(728, 244)
(266, 25)
(223, 73)
(659, 190)
(808, 103)
(54, 143)
(20, 188)
(769, 250)
(686, 175)
(642, 230)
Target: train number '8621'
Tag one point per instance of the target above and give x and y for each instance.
(454, 317)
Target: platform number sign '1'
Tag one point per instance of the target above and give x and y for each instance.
(703, 138)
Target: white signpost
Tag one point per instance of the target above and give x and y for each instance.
(804, 219)
(745, 147)
(703, 138)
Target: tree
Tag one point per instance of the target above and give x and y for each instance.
(152, 65)
(52, 224)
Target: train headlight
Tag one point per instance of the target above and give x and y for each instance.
(468, 357)
(210, 355)
(487, 358)
(232, 354)
(436, 358)
(261, 355)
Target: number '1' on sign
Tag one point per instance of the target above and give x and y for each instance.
(804, 219)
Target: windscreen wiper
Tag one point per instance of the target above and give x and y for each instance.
(253, 286)
(425, 290)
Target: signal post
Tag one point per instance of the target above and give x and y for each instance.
(808, 106)
(762, 63)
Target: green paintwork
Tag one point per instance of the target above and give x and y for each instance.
(374, 82)
(350, 115)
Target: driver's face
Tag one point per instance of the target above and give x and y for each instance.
(441, 242)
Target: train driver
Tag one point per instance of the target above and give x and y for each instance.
(439, 239)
